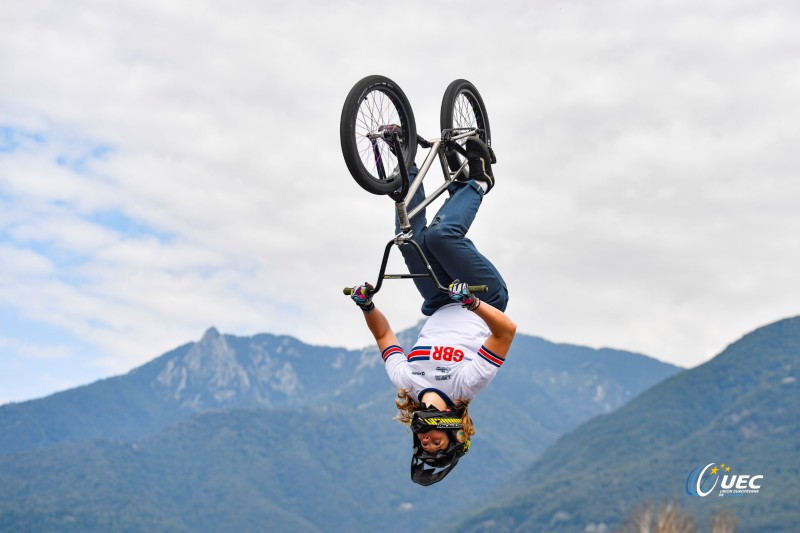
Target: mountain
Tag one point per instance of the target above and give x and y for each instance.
(218, 372)
(248, 433)
(556, 385)
(231, 470)
(740, 409)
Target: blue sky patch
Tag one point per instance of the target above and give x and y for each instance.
(78, 163)
(10, 138)
(126, 225)
(35, 368)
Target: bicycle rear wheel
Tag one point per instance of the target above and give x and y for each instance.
(463, 107)
(374, 103)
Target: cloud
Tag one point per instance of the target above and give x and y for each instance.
(164, 168)
(35, 350)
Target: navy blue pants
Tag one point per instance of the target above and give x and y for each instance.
(448, 250)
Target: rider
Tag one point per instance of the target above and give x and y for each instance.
(465, 339)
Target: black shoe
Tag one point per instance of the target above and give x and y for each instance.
(480, 158)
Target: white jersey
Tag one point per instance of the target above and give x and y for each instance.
(449, 356)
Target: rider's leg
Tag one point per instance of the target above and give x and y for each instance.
(432, 296)
(445, 239)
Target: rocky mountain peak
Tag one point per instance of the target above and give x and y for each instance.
(228, 371)
(208, 374)
(210, 335)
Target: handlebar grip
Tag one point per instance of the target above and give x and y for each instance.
(478, 288)
(348, 291)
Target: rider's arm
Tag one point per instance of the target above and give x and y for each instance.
(393, 357)
(376, 321)
(380, 329)
(501, 327)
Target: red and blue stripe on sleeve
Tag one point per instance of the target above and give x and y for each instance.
(391, 350)
(419, 353)
(490, 357)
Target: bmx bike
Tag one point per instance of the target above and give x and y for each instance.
(379, 143)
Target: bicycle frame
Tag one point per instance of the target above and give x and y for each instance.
(402, 197)
(438, 148)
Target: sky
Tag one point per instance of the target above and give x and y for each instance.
(166, 167)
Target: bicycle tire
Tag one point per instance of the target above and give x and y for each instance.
(375, 102)
(463, 107)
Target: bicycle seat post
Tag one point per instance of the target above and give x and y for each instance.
(402, 216)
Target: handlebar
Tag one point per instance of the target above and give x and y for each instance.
(348, 291)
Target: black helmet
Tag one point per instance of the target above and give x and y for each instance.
(428, 468)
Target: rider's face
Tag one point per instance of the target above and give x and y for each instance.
(434, 440)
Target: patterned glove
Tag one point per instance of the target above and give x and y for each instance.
(461, 294)
(362, 297)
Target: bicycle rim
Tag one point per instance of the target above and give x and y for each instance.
(373, 104)
(376, 111)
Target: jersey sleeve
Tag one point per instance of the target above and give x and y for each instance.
(394, 359)
(480, 371)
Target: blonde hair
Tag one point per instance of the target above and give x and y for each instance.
(407, 406)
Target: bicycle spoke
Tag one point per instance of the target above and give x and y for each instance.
(463, 117)
(377, 110)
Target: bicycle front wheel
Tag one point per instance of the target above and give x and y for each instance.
(375, 105)
(463, 107)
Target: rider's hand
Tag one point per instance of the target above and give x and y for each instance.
(460, 293)
(362, 296)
